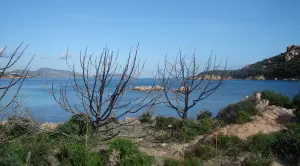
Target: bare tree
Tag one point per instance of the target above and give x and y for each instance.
(185, 82)
(103, 104)
(14, 84)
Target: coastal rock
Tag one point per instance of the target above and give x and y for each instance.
(148, 88)
(132, 120)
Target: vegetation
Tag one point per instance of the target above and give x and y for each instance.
(296, 103)
(270, 68)
(146, 117)
(277, 99)
(130, 156)
(183, 130)
(240, 112)
(171, 162)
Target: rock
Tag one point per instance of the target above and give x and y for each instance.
(132, 120)
(291, 52)
(148, 88)
(114, 158)
(163, 144)
(258, 96)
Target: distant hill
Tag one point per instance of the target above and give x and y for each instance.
(49, 73)
(46, 72)
(286, 65)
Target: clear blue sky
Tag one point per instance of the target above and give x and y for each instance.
(242, 31)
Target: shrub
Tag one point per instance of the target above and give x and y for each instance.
(288, 147)
(19, 125)
(125, 146)
(183, 130)
(171, 162)
(243, 117)
(192, 161)
(204, 114)
(231, 145)
(203, 151)
(296, 100)
(146, 117)
(130, 156)
(12, 154)
(262, 143)
(239, 112)
(296, 103)
(77, 125)
(137, 159)
(256, 160)
(276, 98)
(76, 154)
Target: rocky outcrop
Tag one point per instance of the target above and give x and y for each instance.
(291, 52)
(272, 119)
(259, 77)
(148, 88)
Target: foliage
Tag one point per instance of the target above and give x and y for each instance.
(276, 98)
(230, 145)
(240, 112)
(204, 114)
(203, 151)
(243, 117)
(137, 159)
(192, 161)
(124, 146)
(288, 147)
(11, 154)
(18, 126)
(183, 130)
(171, 162)
(296, 103)
(77, 125)
(146, 117)
(130, 156)
(76, 154)
(262, 143)
(256, 160)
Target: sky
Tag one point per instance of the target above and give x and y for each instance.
(244, 32)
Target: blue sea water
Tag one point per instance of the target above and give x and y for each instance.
(42, 105)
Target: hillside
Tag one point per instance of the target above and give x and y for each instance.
(286, 65)
(46, 72)
(49, 73)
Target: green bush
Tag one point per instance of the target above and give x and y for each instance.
(231, 145)
(204, 114)
(296, 103)
(287, 148)
(19, 126)
(204, 151)
(240, 112)
(137, 159)
(276, 98)
(130, 156)
(125, 146)
(76, 154)
(77, 125)
(243, 117)
(192, 161)
(171, 162)
(183, 130)
(256, 160)
(146, 117)
(262, 143)
(12, 154)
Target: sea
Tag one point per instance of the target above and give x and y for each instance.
(36, 100)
